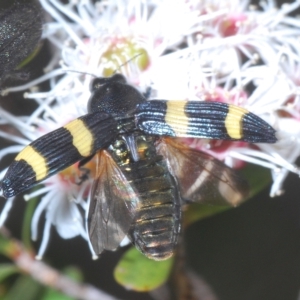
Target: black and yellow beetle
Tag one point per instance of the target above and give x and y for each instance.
(144, 173)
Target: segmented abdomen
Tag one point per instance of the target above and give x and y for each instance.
(156, 227)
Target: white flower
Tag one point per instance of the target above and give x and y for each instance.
(88, 39)
(253, 57)
(63, 198)
(206, 50)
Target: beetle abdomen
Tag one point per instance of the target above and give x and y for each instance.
(156, 225)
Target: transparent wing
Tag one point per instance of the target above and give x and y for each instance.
(113, 204)
(202, 178)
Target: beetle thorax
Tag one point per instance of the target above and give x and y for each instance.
(114, 97)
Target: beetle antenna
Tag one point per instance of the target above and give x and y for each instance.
(122, 65)
(80, 72)
(126, 62)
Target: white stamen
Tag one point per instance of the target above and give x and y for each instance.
(45, 240)
(5, 210)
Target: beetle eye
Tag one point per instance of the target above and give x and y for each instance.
(98, 82)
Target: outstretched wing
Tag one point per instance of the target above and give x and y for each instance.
(58, 150)
(202, 119)
(200, 177)
(113, 203)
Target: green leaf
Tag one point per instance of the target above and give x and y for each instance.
(25, 288)
(257, 177)
(6, 270)
(26, 228)
(196, 212)
(52, 294)
(73, 273)
(137, 272)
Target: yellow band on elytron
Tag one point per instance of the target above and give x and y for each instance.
(233, 121)
(35, 160)
(82, 137)
(176, 117)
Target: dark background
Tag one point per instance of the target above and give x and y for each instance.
(248, 253)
